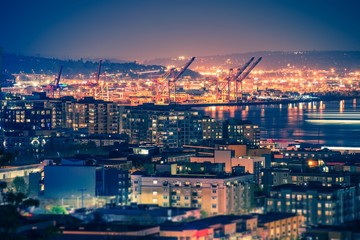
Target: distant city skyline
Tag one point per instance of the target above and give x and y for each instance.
(143, 30)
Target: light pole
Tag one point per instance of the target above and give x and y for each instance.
(82, 196)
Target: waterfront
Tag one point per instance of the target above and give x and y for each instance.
(332, 123)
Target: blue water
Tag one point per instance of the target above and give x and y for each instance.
(332, 123)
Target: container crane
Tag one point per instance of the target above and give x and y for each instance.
(226, 85)
(232, 77)
(98, 72)
(242, 77)
(237, 75)
(101, 89)
(180, 73)
(53, 87)
(163, 78)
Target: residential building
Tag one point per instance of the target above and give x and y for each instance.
(245, 132)
(146, 214)
(165, 126)
(318, 204)
(92, 116)
(253, 165)
(348, 230)
(212, 129)
(217, 227)
(309, 154)
(113, 182)
(278, 176)
(277, 225)
(25, 115)
(213, 194)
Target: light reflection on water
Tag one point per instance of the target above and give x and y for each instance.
(332, 123)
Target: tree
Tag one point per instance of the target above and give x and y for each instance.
(14, 199)
(10, 220)
(5, 158)
(203, 214)
(20, 201)
(19, 185)
(58, 210)
(3, 185)
(30, 202)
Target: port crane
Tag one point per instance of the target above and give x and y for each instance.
(231, 77)
(101, 90)
(51, 88)
(242, 76)
(92, 89)
(160, 86)
(98, 72)
(176, 77)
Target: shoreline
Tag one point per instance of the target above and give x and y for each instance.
(269, 102)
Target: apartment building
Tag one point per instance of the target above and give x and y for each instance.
(213, 194)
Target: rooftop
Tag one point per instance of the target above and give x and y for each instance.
(205, 223)
(203, 176)
(272, 216)
(310, 187)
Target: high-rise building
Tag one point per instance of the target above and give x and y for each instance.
(245, 132)
(161, 125)
(93, 116)
(212, 128)
(25, 114)
(25, 123)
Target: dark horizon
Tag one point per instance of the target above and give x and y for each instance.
(97, 58)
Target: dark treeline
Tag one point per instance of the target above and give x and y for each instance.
(13, 64)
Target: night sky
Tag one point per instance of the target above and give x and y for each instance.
(146, 29)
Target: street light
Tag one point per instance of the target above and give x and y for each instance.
(82, 196)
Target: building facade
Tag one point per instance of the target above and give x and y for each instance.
(318, 204)
(163, 126)
(92, 116)
(214, 195)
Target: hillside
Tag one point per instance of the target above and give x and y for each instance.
(278, 60)
(14, 64)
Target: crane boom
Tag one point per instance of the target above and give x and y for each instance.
(242, 69)
(183, 69)
(242, 77)
(167, 74)
(57, 80)
(98, 72)
(146, 72)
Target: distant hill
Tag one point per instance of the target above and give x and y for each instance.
(15, 64)
(277, 60)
